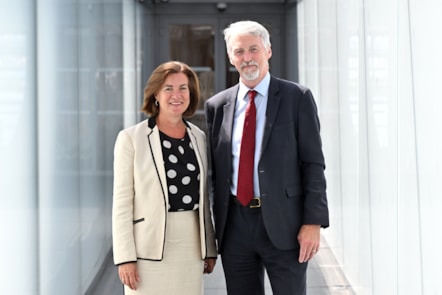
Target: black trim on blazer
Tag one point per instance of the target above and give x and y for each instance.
(138, 220)
(153, 123)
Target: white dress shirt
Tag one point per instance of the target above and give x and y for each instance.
(238, 121)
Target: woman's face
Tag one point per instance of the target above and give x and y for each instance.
(174, 95)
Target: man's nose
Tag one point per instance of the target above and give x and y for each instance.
(248, 56)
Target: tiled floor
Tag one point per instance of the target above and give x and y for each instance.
(324, 277)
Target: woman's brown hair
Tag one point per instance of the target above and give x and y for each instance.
(156, 81)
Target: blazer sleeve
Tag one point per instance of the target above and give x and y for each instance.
(208, 244)
(209, 230)
(123, 199)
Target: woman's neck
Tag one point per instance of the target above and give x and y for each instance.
(173, 127)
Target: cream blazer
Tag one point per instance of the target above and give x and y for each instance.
(140, 196)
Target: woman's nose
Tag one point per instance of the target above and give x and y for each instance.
(176, 93)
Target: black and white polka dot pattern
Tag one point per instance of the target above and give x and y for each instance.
(182, 171)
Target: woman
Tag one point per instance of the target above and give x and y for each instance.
(163, 237)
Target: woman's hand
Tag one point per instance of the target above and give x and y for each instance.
(128, 274)
(209, 265)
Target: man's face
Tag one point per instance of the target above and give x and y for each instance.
(250, 58)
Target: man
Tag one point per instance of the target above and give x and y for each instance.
(279, 228)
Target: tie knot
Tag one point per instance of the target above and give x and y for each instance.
(252, 94)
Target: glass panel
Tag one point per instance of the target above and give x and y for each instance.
(194, 45)
(18, 149)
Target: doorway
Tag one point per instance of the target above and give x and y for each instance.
(194, 34)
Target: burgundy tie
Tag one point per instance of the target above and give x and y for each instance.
(244, 191)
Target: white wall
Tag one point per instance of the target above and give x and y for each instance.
(67, 83)
(374, 67)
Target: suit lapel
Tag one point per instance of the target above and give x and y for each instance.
(271, 112)
(229, 112)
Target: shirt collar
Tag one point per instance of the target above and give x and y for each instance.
(262, 88)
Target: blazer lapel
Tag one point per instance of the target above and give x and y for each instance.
(272, 109)
(153, 138)
(198, 147)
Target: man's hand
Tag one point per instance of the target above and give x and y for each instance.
(309, 239)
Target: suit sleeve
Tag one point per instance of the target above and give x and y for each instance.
(211, 172)
(312, 163)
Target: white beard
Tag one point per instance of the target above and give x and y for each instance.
(250, 76)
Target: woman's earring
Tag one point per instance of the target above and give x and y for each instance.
(156, 102)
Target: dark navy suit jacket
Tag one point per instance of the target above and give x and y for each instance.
(291, 166)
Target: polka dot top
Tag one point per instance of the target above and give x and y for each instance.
(182, 170)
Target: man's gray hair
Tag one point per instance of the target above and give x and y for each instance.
(246, 27)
